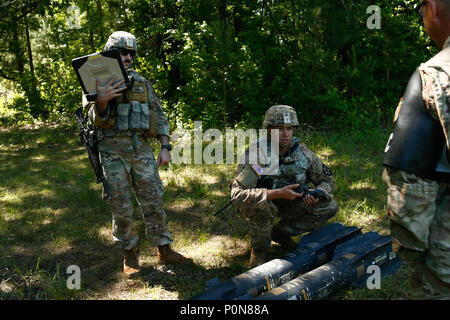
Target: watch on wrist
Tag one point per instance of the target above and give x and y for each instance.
(166, 146)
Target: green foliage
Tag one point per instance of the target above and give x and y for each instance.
(223, 61)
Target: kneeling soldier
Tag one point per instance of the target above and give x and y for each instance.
(261, 198)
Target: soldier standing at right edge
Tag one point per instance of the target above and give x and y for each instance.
(417, 170)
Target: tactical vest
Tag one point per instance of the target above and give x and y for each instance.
(292, 168)
(417, 143)
(134, 112)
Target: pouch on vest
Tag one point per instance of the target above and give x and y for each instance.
(152, 132)
(145, 116)
(138, 92)
(135, 115)
(100, 122)
(123, 109)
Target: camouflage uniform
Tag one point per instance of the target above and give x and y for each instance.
(128, 161)
(418, 208)
(296, 217)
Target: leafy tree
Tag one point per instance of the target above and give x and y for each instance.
(223, 61)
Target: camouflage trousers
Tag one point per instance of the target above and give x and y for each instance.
(296, 218)
(419, 218)
(126, 167)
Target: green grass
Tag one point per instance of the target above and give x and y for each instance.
(52, 216)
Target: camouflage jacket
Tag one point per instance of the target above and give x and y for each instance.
(304, 167)
(142, 91)
(435, 74)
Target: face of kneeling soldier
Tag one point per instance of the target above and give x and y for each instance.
(284, 119)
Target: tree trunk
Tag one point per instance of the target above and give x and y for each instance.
(17, 50)
(30, 54)
(91, 29)
(100, 21)
(224, 87)
(316, 40)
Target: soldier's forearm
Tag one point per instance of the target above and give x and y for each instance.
(273, 194)
(163, 139)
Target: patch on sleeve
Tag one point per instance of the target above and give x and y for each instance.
(326, 171)
(257, 169)
(397, 111)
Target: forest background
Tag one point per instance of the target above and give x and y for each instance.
(223, 62)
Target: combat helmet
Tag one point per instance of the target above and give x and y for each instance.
(280, 115)
(121, 39)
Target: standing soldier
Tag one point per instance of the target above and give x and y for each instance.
(124, 122)
(417, 170)
(261, 198)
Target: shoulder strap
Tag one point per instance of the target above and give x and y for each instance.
(290, 151)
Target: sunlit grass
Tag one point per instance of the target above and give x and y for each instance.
(51, 209)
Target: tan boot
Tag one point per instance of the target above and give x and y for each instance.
(257, 258)
(130, 262)
(167, 255)
(279, 237)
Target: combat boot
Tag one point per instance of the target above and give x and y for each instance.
(257, 257)
(167, 255)
(130, 262)
(285, 241)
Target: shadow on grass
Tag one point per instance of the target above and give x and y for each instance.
(53, 212)
(191, 279)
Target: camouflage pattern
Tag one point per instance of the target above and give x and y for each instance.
(121, 39)
(419, 219)
(296, 217)
(128, 163)
(436, 91)
(437, 259)
(419, 209)
(435, 74)
(280, 115)
(142, 91)
(411, 207)
(124, 168)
